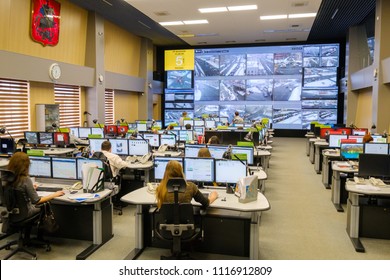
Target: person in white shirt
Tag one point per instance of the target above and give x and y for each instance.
(183, 117)
(116, 163)
(237, 119)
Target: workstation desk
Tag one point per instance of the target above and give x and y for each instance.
(319, 146)
(58, 151)
(231, 137)
(86, 220)
(311, 147)
(339, 194)
(226, 209)
(309, 136)
(328, 156)
(367, 212)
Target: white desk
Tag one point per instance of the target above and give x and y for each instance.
(58, 151)
(327, 156)
(142, 166)
(264, 156)
(224, 201)
(339, 167)
(167, 154)
(309, 136)
(101, 215)
(317, 155)
(311, 147)
(353, 208)
(261, 176)
(3, 162)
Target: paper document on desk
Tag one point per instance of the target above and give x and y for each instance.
(80, 197)
(367, 188)
(92, 177)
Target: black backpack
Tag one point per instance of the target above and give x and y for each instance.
(8, 191)
(106, 165)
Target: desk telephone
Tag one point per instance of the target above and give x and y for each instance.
(142, 160)
(77, 186)
(162, 148)
(376, 182)
(152, 187)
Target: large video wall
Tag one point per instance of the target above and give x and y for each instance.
(291, 85)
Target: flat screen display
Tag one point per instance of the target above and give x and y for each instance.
(61, 138)
(97, 131)
(168, 139)
(7, 146)
(160, 164)
(181, 79)
(45, 138)
(229, 171)
(288, 84)
(31, 137)
(82, 161)
(119, 146)
(248, 151)
(138, 147)
(95, 144)
(374, 165)
(192, 150)
(335, 140)
(217, 151)
(351, 150)
(376, 148)
(40, 167)
(199, 169)
(154, 139)
(64, 168)
(84, 132)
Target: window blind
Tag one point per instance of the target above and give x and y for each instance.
(68, 97)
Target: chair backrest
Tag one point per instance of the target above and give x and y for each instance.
(108, 176)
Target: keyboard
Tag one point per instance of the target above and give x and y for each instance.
(48, 189)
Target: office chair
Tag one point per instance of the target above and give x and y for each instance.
(174, 222)
(14, 201)
(109, 177)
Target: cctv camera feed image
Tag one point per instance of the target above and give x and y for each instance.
(179, 79)
(291, 85)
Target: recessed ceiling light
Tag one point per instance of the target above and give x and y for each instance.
(200, 21)
(186, 35)
(169, 23)
(302, 15)
(213, 10)
(273, 17)
(242, 8)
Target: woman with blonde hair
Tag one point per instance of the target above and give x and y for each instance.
(204, 153)
(175, 170)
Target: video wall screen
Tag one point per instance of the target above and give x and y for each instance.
(291, 85)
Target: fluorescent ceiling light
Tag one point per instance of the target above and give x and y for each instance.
(169, 23)
(273, 17)
(242, 8)
(302, 15)
(186, 35)
(213, 10)
(200, 21)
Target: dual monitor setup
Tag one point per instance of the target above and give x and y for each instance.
(374, 165)
(59, 167)
(204, 170)
(351, 151)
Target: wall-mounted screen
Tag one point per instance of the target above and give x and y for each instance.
(179, 79)
(290, 85)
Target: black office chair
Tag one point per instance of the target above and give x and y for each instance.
(14, 201)
(174, 222)
(109, 177)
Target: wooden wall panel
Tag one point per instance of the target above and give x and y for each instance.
(364, 109)
(122, 50)
(126, 106)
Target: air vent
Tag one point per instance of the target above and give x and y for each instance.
(299, 4)
(161, 14)
(294, 25)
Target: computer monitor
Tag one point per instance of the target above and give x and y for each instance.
(376, 148)
(138, 147)
(95, 144)
(217, 151)
(40, 167)
(199, 123)
(229, 171)
(111, 130)
(84, 132)
(359, 131)
(186, 135)
(7, 146)
(249, 151)
(45, 138)
(168, 139)
(119, 146)
(160, 163)
(199, 130)
(154, 139)
(122, 129)
(378, 139)
(97, 131)
(374, 165)
(132, 126)
(31, 137)
(192, 150)
(61, 139)
(351, 150)
(224, 119)
(74, 131)
(176, 128)
(199, 169)
(82, 161)
(142, 127)
(335, 140)
(209, 123)
(64, 168)
(358, 138)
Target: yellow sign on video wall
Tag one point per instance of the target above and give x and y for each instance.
(179, 60)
